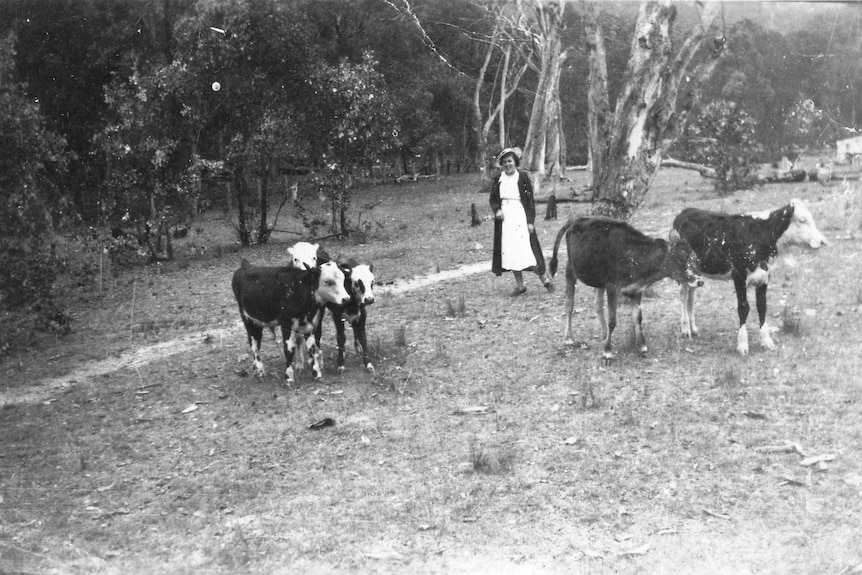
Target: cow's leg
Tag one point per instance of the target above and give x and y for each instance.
(360, 340)
(255, 335)
(600, 310)
(289, 342)
(314, 355)
(340, 340)
(742, 308)
(690, 311)
(571, 283)
(760, 301)
(613, 298)
(637, 317)
(686, 300)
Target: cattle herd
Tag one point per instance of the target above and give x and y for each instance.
(296, 296)
(608, 255)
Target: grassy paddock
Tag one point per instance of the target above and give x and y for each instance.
(647, 466)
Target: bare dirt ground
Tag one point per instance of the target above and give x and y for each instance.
(140, 443)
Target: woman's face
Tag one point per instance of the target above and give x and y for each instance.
(509, 164)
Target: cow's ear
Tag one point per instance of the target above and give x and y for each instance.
(371, 267)
(673, 236)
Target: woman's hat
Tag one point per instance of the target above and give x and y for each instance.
(516, 152)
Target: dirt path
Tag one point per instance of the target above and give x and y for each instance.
(45, 389)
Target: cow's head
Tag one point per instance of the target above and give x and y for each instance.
(330, 285)
(682, 261)
(802, 230)
(303, 255)
(362, 283)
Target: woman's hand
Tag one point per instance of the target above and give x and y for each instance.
(499, 215)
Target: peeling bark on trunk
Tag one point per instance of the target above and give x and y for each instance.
(646, 111)
(509, 82)
(598, 102)
(549, 19)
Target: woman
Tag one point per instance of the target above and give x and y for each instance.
(516, 246)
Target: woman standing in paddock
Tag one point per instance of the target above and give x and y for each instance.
(516, 245)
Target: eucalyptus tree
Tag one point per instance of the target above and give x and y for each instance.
(648, 113)
(543, 21)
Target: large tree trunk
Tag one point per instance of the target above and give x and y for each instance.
(549, 19)
(555, 166)
(646, 111)
(598, 102)
(478, 121)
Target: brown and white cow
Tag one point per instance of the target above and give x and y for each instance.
(615, 258)
(739, 247)
(359, 283)
(290, 298)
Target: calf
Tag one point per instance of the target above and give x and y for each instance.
(739, 247)
(359, 283)
(304, 255)
(290, 298)
(615, 258)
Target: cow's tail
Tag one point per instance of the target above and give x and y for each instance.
(552, 265)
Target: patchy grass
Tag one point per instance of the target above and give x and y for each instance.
(184, 463)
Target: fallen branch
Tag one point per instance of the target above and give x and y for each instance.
(808, 461)
(782, 177)
(705, 171)
(786, 448)
(787, 480)
(476, 410)
(712, 513)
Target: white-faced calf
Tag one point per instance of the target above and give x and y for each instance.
(290, 298)
(359, 283)
(739, 247)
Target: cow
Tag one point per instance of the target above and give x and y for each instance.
(305, 255)
(359, 283)
(615, 258)
(291, 298)
(739, 247)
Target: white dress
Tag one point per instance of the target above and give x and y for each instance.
(516, 253)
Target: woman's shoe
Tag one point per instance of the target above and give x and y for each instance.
(518, 291)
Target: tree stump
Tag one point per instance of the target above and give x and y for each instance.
(551, 211)
(474, 217)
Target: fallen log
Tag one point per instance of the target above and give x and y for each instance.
(789, 176)
(705, 171)
(575, 200)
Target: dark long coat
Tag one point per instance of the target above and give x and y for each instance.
(525, 187)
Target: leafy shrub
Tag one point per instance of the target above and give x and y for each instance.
(722, 137)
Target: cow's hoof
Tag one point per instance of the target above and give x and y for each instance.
(607, 359)
(340, 369)
(369, 368)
